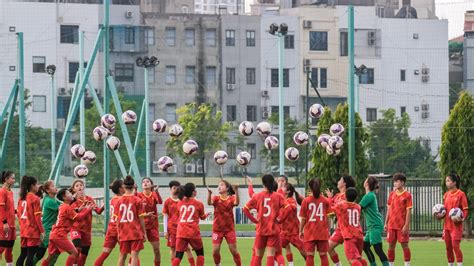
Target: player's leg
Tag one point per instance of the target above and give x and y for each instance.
(21, 259)
(76, 241)
(449, 247)
(198, 247)
(376, 241)
(323, 248)
(30, 254)
(181, 246)
(456, 237)
(298, 243)
(392, 243)
(368, 252)
(217, 238)
(275, 241)
(259, 250)
(231, 239)
(109, 244)
(135, 257)
(156, 250)
(335, 240)
(309, 247)
(121, 260)
(406, 253)
(289, 254)
(190, 257)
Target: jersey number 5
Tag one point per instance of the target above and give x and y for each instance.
(23, 213)
(267, 207)
(126, 213)
(184, 210)
(316, 211)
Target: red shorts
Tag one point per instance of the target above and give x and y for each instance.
(393, 235)
(319, 245)
(152, 234)
(11, 235)
(295, 240)
(171, 241)
(110, 241)
(30, 242)
(336, 237)
(229, 236)
(57, 246)
(130, 246)
(86, 238)
(182, 244)
(452, 235)
(262, 242)
(353, 248)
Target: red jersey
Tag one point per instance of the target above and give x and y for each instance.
(290, 225)
(112, 227)
(348, 219)
(66, 217)
(268, 207)
(85, 224)
(150, 203)
(223, 213)
(456, 199)
(400, 204)
(7, 207)
(129, 209)
(170, 208)
(315, 211)
(338, 198)
(190, 211)
(28, 211)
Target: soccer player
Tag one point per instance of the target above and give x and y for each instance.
(397, 221)
(111, 237)
(314, 227)
(282, 180)
(7, 216)
(170, 221)
(151, 198)
(29, 218)
(131, 230)
(348, 219)
(452, 233)
(58, 241)
(223, 225)
(345, 182)
(373, 220)
(268, 205)
(81, 232)
(188, 233)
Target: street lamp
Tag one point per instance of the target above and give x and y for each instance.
(358, 71)
(50, 70)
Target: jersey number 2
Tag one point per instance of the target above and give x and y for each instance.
(23, 213)
(184, 210)
(316, 211)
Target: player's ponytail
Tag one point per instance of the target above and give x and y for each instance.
(315, 187)
(291, 190)
(25, 185)
(180, 192)
(115, 186)
(5, 175)
(128, 182)
(269, 183)
(455, 178)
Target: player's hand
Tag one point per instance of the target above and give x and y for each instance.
(328, 193)
(209, 190)
(385, 227)
(457, 219)
(301, 235)
(157, 187)
(249, 180)
(6, 228)
(405, 229)
(42, 236)
(439, 216)
(166, 235)
(235, 187)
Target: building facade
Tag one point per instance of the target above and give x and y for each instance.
(469, 52)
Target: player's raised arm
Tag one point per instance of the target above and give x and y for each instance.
(209, 196)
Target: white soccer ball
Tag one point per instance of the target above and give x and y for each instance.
(300, 138)
(243, 158)
(100, 133)
(292, 154)
(336, 129)
(220, 157)
(165, 163)
(323, 140)
(190, 147)
(264, 129)
(456, 214)
(439, 209)
(246, 128)
(89, 157)
(78, 150)
(81, 171)
(329, 150)
(316, 110)
(159, 125)
(108, 121)
(271, 143)
(113, 143)
(129, 117)
(176, 130)
(335, 142)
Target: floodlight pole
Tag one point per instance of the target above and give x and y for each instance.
(11, 112)
(53, 120)
(21, 100)
(281, 125)
(137, 137)
(147, 125)
(82, 130)
(106, 40)
(350, 92)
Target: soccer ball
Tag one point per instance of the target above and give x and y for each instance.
(455, 214)
(300, 138)
(78, 150)
(113, 143)
(264, 129)
(129, 117)
(176, 130)
(243, 158)
(323, 140)
(108, 121)
(316, 110)
(220, 157)
(336, 129)
(329, 150)
(335, 142)
(165, 163)
(246, 128)
(439, 209)
(292, 154)
(100, 133)
(190, 147)
(81, 171)
(159, 125)
(271, 143)
(89, 157)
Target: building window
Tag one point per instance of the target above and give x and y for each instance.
(252, 149)
(170, 34)
(286, 77)
(211, 37)
(150, 36)
(211, 75)
(230, 75)
(170, 73)
(403, 75)
(250, 38)
(151, 112)
(251, 113)
(170, 112)
(286, 111)
(367, 78)
(231, 150)
(190, 74)
(323, 82)
(39, 103)
(380, 11)
(124, 72)
(231, 113)
(289, 41)
(39, 64)
(251, 75)
(230, 38)
(318, 41)
(371, 114)
(189, 37)
(72, 70)
(129, 35)
(343, 43)
(69, 34)
(403, 110)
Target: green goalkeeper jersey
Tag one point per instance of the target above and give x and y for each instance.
(50, 212)
(370, 208)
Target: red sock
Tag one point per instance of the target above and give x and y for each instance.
(100, 260)
(176, 262)
(157, 263)
(356, 263)
(391, 255)
(191, 262)
(46, 262)
(289, 257)
(363, 262)
(82, 260)
(257, 261)
(324, 259)
(237, 260)
(457, 251)
(335, 258)
(310, 260)
(2, 249)
(280, 259)
(407, 254)
(270, 260)
(71, 261)
(8, 255)
(217, 258)
(200, 261)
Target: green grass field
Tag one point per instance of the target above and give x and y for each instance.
(424, 252)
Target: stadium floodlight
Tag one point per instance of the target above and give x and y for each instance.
(146, 61)
(284, 29)
(154, 61)
(139, 62)
(360, 70)
(51, 69)
(273, 29)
